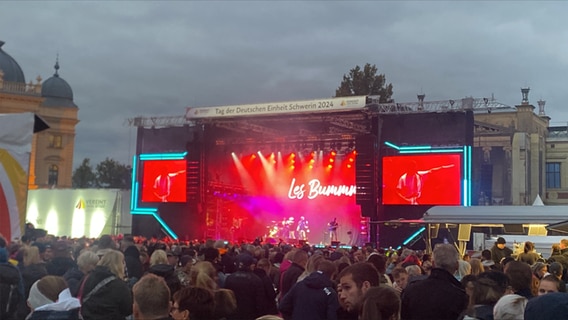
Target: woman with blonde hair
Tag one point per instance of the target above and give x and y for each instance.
(158, 257)
(476, 266)
(311, 266)
(104, 294)
(203, 275)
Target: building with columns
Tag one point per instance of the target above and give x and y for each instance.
(512, 155)
(51, 162)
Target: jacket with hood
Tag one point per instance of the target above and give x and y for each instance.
(167, 272)
(66, 308)
(133, 263)
(112, 301)
(312, 298)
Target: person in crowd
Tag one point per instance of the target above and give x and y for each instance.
(521, 278)
(50, 298)
(151, 298)
(33, 267)
(311, 266)
(203, 275)
(529, 254)
(134, 269)
(549, 284)
(173, 257)
(464, 269)
(314, 297)
(62, 261)
(488, 288)
(354, 281)
(556, 269)
(510, 307)
(440, 296)
(86, 262)
(558, 256)
(106, 243)
(103, 293)
(500, 250)
(380, 303)
(247, 287)
(32, 270)
(552, 306)
(193, 303)
(262, 269)
(11, 286)
(468, 283)
(476, 266)
(380, 263)
(45, 251)
(159, 266)
(290, 276)
(400, 277)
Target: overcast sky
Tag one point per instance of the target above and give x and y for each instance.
(128, 59)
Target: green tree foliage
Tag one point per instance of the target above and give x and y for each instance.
(83, 175)
(362, 82)
(111, 174)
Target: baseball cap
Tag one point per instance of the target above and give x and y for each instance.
(244, 260)
(501, 240)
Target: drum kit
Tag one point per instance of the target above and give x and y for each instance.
(281, 229)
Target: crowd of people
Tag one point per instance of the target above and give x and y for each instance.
(128, 277)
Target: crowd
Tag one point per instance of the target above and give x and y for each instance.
(149, 279)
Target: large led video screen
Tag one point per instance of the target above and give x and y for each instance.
(163, 181)
(422, 179)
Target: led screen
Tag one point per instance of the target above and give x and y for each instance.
(425, 179)
(164, 181)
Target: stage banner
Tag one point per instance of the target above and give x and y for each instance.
(16, 132)
(274, 108)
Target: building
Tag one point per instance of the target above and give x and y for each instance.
(51, 162)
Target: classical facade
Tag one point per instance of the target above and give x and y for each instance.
(51, 162)
(517, 157)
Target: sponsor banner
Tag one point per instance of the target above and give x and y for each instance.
(16, 132)
(274, 108)
(78, 212)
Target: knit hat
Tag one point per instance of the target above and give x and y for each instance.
(36, 298)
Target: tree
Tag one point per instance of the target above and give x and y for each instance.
(83, 176)
(111, 174)
(365, 82)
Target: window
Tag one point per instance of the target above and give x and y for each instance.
(553, 175)
(55, 141)
(53, 175)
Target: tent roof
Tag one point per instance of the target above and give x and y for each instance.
(496, 214)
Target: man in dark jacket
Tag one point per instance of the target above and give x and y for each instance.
(500, 250)
(440, 296)
(62, 261)
(131, 258)
(11, 287)
(314, 297)
(290, 276)
(248, 289)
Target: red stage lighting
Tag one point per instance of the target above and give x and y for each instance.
(329, 166)
(333, 153)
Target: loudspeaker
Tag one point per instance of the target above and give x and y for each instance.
(464, 232)
(335, 244)
(434, 229)
(513, 228)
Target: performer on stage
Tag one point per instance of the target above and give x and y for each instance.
(333, 229)
(303, 228)
(411, 183)
(163, 184)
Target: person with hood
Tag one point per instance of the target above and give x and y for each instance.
(132, 258)
(159, 266)
(50, 298)
(314, 297)
(104, 294)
